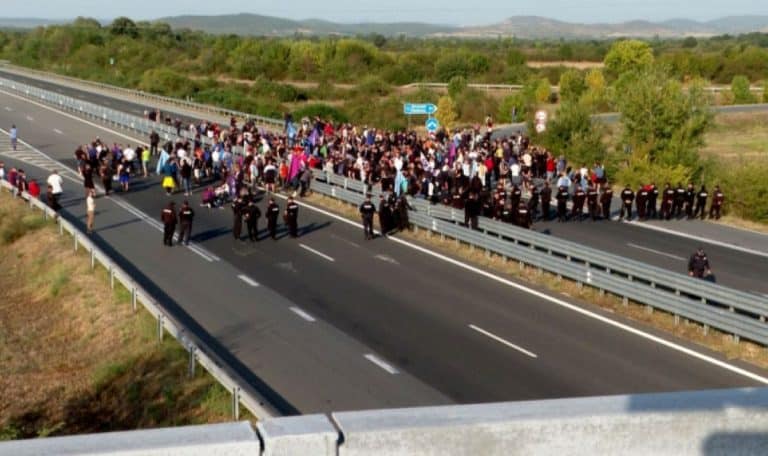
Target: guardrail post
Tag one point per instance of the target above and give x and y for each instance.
(75, 236)
(706, 329)
(677, 319)
(625, 301)
(133, 298)
(61, 228)
(93, 258)
(192, 362)
(236, 403)
(160, 327)
(736, 338)
(649, 309)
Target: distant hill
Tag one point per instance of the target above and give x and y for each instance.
(254, 24)
(533, 27)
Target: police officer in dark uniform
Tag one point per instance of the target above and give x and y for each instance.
(701, 203)
(592, 202)
(515, 196)
(579, 197)
(605, 201)
(641, 202)
(533, 203)
(186, 215)
(385, 215)
(546, 198)
(251, 214)
(402, 213)
(667, 201)
(367, 211)
(677, 203)
(238, 207)
(273, 211)
(292, 217)
(472, 211)
(653, 196)
(718, 198)
(690, 197)
(562, 202)
(523, 216)
(698, 265)
(168, 218)
(627, 198)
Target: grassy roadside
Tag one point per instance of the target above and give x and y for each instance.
(74, 357)
(712, 339)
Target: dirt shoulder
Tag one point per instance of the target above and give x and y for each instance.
(74, 357)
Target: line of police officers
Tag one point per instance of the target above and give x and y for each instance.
(675, 202)
(244, 210)
(393, 214)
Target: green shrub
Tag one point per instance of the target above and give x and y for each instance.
(321, 110)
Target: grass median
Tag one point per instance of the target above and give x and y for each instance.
(679, 327)
(74, 356)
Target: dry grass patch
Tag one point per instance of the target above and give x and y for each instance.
(74, 357)
(693, 332)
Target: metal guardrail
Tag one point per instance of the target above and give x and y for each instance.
(735, 312)
(198, 352)
(554, 88)
(139, 94)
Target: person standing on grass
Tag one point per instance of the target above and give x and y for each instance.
(90, 210)
(14, 135)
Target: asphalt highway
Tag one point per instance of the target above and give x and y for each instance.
(411, 329)
(732, 267)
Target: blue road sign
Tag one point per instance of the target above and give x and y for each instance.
(432, 125)
(413, 109)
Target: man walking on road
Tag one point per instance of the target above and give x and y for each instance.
(385, 215)
(701, 203)
(273, 211)
(186, 216)
(627, 198)
(367, 211)
(56, 183)
(14, 135)
(90, 211)
(238, 208)
(168, 217)
(717, 203)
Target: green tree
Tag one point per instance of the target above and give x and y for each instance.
(741, 91)
(446, 112)
(125, 27)
(596, 95)
(573, 133)
(662, 124)
(516, 101)
(456, 85)
(628, 56)
(690, 42)
(572, 85)
(765, 91)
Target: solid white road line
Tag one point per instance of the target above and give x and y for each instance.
(248, 280)
(9, 109)
(531, 291)
(701, 239)
(381, 363)
(30, 118)
(587, 313)
(320, 254)
(657, 252)
(56, 130)
(302, 314)
(503, 341)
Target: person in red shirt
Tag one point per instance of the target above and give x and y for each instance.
(33, 189)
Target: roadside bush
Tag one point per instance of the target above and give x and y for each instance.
(745, 188)
(321, 110)
(741, 92)
(638, 172)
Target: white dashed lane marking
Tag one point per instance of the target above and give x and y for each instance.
(302, 314)
(320, 254)
(503, 341)
(381, 363)
(248, 280)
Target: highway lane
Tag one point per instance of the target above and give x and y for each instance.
(733, 267)
(423, 317)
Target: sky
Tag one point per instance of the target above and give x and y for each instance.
(454, 12)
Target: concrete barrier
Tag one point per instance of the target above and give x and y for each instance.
(299, 435)
(709, 423)
(230, 439)
(732, 422)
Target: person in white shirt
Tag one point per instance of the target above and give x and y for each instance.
(90, 209)
(2, 171)
(56, 183)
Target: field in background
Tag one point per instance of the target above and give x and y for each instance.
(74, 357)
